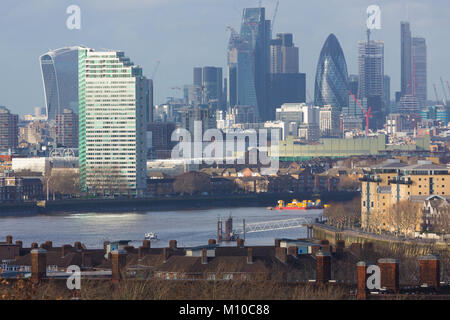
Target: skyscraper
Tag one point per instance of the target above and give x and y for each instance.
(59, 70)
(253, 60)
(371, 78)
(67, 129)
(331, 83)
(283, 54)
(114, 107)
(419, 60)
(210, 82)
(284, 84)
(9, 131)
(406, 58)
(387, 93)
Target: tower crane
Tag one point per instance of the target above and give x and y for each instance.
(275, 14)
(436, 93)
(367, 113)
(155, 69)
(443, 89)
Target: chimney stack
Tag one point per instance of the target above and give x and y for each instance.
(173, 244)
(361, 270)
(323, 267)
(240, 242)
(281, 254)
(204, 256)
(146, 244)
(277, 242)
(49, 244)
(9, 239)
(34, 245)
(249, 255)
(430, 271)
(118, 262)
(212, 241)
(38, 264)
(389, 269)
(65, 249)
(77, 245)
(19, 243)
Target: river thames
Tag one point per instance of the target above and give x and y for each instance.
(188, 227)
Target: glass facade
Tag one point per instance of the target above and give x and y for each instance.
(115, 101)
(331, 84)
(59, 70)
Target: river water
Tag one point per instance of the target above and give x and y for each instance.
(188, 227)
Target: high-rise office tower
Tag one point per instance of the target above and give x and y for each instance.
(59, 70)
(198, 76)
(331, 83)
(419, 73)
(283, 54)
(371, 78)
(329, 117)
(387, 93)
(406, 59)
(9, 131)
(284, 84)
(253, 60)
(210, 82)
(114, 107)
(67, 129)
(353, 83)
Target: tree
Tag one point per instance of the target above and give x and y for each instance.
(191, 183)
(344, 214)
(405, 216)
(64, 182)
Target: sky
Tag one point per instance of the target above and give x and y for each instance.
(182, 34)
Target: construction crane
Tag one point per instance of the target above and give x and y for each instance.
(443, 89)
(436, 93)
(275, 14)
(155, 69)
(367, 113)
(448, 86)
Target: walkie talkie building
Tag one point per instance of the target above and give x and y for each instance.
(60, 80)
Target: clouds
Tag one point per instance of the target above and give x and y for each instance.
(187, 33)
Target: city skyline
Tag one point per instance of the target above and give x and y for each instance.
(210, 47)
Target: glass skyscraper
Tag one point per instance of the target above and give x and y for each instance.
(115, 102)
(59, 70)
(249, 61)
(331, 84)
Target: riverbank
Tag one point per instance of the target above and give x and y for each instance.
(408, 247)
(163, 203)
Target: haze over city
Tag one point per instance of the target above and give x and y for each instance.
(185, 34)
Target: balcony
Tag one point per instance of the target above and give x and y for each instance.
(400, 180)
(370, 178)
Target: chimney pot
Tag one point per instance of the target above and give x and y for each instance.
(9, 239)
(212, 241)
(34, 245)
(240, 242)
